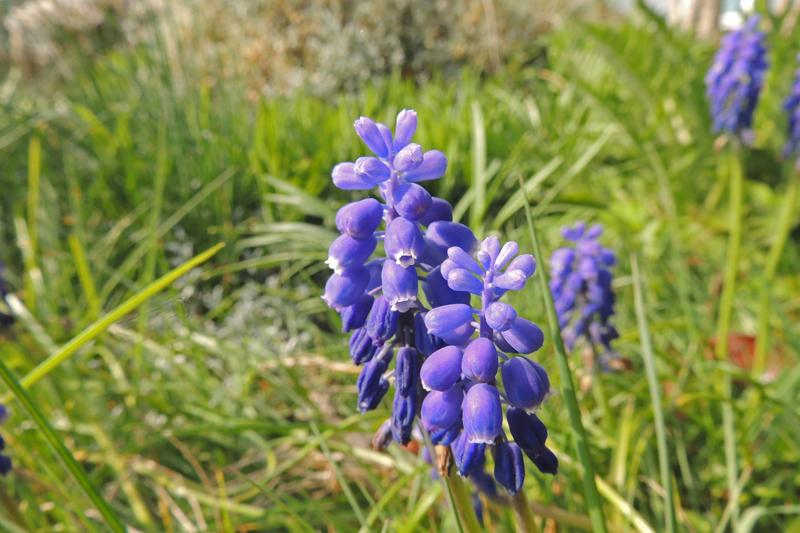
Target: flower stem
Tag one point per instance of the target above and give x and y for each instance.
(568, 388)
(724, 323)
(523, 513)
(463, 503)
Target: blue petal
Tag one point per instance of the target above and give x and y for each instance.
(509, 467)
(412, 201)
(483, 414)
(480, 362)
(360, 219)
(442, 369)
(444, 319)
(371, 135)
(525, 336)
(434, 165)
(442, 409)
(462, 281)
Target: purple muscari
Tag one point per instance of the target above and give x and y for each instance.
(354, 316)
(403, 242)
(404, 407)
(581, 285)
(546, 462)
(488, 270)
(509, 467)
(433, 335)
(371, 385)
(362, 348)
(792, 107)
(5, 461)
(382, 321)
(735, 79)
(360, 219)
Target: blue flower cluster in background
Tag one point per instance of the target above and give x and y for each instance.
(735, 79)
(5, 319)
(581, 285)
(444, 379)
(792, 107)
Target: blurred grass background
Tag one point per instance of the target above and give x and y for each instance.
(146, 135)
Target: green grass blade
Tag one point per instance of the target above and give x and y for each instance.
(423, 506)
(655, 397)
(339, 476)
(754, 514)
(61, 450)
(478, 168)
(275, 498)
(568, 388)
(123, 309)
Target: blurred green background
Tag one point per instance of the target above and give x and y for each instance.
(135, 135)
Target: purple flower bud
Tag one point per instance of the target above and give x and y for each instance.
(412, 201)
(607, 257)
(484, 259)
(343, 290)
(483, 414)
(403, 242)
(399, 286)
(526, 263)
(386, 134)
(469, 456)
(525, 336)
(444, 319)
(434, 165)
(595, 231)
(347, 252)
(371, 135)
(382, 437)
(461, 280)
(444, 235)
(526, 383)
(404, 407)
(528, 431)
(382, 321)
(491, 247)
(500, 316)
(440, 210)
(587, 247)
(425, 342)
(574, 233)
(404, 128)
(587, 268)
(344, 177)
(513, 280)
(480, 361)
(561, 260)
(509, 467)
(546, 462)
(372, 170)
(355, 316)
(371, 385)
(445, 437)
(502, 343)
(448, 265)
(374, 267)
(464, 260)
(510, 249)
(442, 369)
(460, 335)
(408, 159)
(362, 350)
(406, 371)
(439, 293)
(442, 409)
(360, 219)
(5, 465)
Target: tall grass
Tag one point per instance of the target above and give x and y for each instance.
(199, 413)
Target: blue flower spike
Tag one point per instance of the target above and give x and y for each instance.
(5, 461)
(792, 107)
(584, 298)
(734, 82)
(445, 376)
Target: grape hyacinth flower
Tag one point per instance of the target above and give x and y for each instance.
(792, 107)
(5, 461)
(462, 377)
(445, 380)
(735, 79)
(582, 292)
